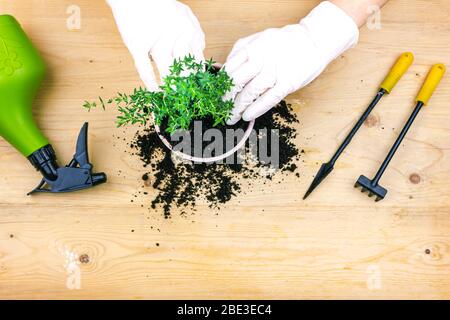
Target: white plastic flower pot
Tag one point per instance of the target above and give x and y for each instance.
(187, 157)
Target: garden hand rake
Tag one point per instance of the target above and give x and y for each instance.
(428, 88)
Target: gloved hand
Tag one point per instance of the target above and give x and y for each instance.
(269, 65)
(162, 29)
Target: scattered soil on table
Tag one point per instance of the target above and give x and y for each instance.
(181, 184)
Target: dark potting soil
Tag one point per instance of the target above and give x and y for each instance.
(181, 184)
(204, 125)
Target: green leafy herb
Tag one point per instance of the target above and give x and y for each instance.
(190, 92)
(89, 105)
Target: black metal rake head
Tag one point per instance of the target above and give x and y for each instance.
(372, 187)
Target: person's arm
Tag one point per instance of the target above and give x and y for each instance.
(268, 66)
(359, 10)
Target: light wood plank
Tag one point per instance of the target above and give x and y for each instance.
(338, 244)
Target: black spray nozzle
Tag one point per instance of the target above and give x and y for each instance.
(77, 175)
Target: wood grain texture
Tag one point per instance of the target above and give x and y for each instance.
(268, 244)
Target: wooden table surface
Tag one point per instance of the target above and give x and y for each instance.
(338, 244)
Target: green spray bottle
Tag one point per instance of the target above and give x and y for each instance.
(21, 72)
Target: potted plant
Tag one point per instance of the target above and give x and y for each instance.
(193, 91)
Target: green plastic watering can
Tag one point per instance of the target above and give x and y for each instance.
(22, 71)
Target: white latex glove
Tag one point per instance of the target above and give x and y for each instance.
(162, 29)
(268, 66)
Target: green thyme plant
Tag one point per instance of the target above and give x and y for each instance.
(190, 92)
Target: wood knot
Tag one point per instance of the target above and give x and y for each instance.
(414, 178)
(84, 259)
(435, 252)
(371, 121)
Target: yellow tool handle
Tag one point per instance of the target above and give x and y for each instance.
(398, 70)
(434, 77)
